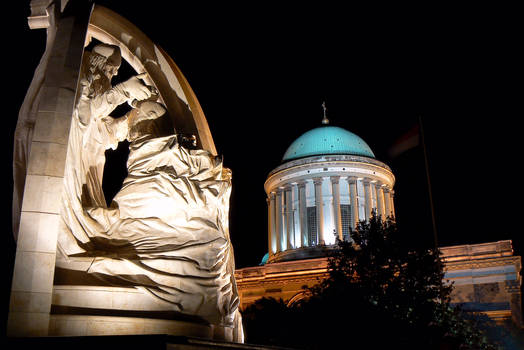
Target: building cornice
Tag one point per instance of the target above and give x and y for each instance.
(326, 166)
(329, 158)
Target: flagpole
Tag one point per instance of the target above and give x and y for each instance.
(431, 205)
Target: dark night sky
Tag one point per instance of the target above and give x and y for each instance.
(261, 73)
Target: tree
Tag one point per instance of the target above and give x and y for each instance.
(381, 292)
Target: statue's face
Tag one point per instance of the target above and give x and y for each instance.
(146, 110)
(110, 70)
(150, 110)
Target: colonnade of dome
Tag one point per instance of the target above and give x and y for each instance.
(313, 201)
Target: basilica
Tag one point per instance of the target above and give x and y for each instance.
(328, 181)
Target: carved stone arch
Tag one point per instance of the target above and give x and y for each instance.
(144, 56)
(296, 298)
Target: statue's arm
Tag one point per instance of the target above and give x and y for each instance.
(128, 91)
(103, 104)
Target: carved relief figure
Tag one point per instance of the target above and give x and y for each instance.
(166, 230)
(92, 132)
(168, 224)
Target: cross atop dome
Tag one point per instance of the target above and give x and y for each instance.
(325, 120)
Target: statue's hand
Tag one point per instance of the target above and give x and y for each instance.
(135, 89)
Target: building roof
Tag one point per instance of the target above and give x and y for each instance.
(327, 140)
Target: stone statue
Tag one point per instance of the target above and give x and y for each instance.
(168, 224)
(98, 99)
(166, 230)
(92, 132)
(158, 259)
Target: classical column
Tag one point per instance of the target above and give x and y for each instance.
(352, 181)
(278, 220)
(336, 205)
(290, 227)
(272, 238)
(367, 193)
(302, 213)
(320, 213)
(387, 201)
(380, 200)
(392, 201)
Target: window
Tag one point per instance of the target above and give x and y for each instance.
(312, 225)
(345, 213)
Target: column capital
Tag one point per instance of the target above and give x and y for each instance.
(287, 186)
(317, 180)
(272, 194)
(301, 183)
(366, 181)
(352, 179)
(334, 179)
(378, 184)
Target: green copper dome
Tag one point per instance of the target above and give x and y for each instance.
(327, 140)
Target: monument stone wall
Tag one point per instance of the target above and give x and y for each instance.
(83, 268)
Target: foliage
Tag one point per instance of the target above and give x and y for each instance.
(380, 293)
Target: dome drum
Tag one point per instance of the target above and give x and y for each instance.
(342, 165)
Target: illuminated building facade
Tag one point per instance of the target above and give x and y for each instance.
(328, 181)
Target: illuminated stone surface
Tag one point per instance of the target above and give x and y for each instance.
(159, 260)
(486, 279)
(329, 180)
(327, 196)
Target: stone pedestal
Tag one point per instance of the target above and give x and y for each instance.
(132, 342)
(82, 325)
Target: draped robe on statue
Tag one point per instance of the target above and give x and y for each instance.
(166, 231)
(168, 226)
(91, 133)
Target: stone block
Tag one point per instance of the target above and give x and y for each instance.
(28, 324)
(55, 68)
(134, 299)
(177, 328)
(48, 100)
(106, 297)
(47, 158)
(83, 325)
(52, 127)
(38, 232)
(42, 194)
(114, 326)
(96, 298)
(67, 326)
(33, 272)
(30, 302)
(66, 95)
